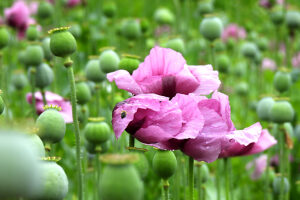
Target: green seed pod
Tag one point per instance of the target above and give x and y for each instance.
(92, 86)
(164, 164)
(281, 111)
(32, 33)
(109, 61)
(150, 43)
(109, 9)
(83, 93)
(258, 58)
(223, 63)
(263, 108)
(176, 44)
(43, 76)
(129, 64)
(249, 50)
(242, 89)
(46, 48)
(211, 28)
(1, 105)
(277, 15)
(120, 181)
(37, 145)
(204, 171)
(62, 42)
(45, 10)
(164, 16)
(131, 29)
(240, 69)
(19, 81)
(53, 182)
(277, 184)
(97, 132)
(83, 113)
(18, 167)
(75, 30)
(205, 8)
(4, 37)
(292, 19)
(145, 25)
(51, 125)
(219, 46)
(22, 57)
(282, 81)
(297, 132)
(262, 43)
(295, 74)
(93, 71)
(93, 148)
(141, 164)
(34, 55)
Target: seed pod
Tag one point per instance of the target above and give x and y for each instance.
(129, 64)
(282, 81)
(131, 29)
(164, 164)
(1, 105)
(83, 93)
(277, 184)
(242, 89)
(164, 16)
(93, 148)
(4, 37)
(219, 46)
(97, 132)
(32, 33)
(51, 125)
(110, 9)
(120, 180)
(145, 25)
(141, 164)
(37, 145)
(249, 50)
(240, 69)
(292, 19)
(223, 63)
(211, 28)
(263, 108)
(262, 43)
(282, 111)
(45, 10)
(277, 15)
(19, 81)
(46, 48)
(109, 61)
(205, 8)
(44, 76)
(53, 182)
(75, 30)
(93, 71)
(62, 42)
(176, 44)
(34, 55)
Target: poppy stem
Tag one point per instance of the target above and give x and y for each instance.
(97, 99)
(200, 176)
(166, 188)
(191, 178)
(32, 82)
(212, 54)
(282, 162)
(227, 178)
(218, 180)
(44, 97)
(131, 140)
(68, 65)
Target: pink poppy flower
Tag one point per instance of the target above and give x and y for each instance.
(18, 15)
(296, 60)
(233, 31)
(259, 164)
(268, 63)
(153, 119)
(72, 3)
(52, 99)
(165, 72)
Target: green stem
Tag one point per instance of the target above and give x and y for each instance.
(227, 178)
(131, 140)
(97, 175)
(166, 189)
(281, 161)
(212, 56)
(68, 65)
(97, 99)
(32, 73)
(44, 97)
(191, 178)
(200, 175)
(218, 181)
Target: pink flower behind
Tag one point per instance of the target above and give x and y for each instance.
(268, 63)
(296, 60)
(259, 164)
(233, 31)
(72, 3)
(53, 99)
(164, 72)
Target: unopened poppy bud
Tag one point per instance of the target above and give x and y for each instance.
(277, 15)
(131, 29)
(176, 44)
(249, 50)
(277, 185)
(129, 64)
(45, 10)
(93, 71)
(32, 33)
(34, 55)
(109, 61)
(4, 37)
(51, 125)
(263, 108)
(211, 28)
(205, 7)
(96, 131)
(83, 93)
(282, 81)
(164, 164)
(62, 42)
(110, 9)
(223, 63)
(292, 19)
(46, 48)
(282, 111)
(164, 16)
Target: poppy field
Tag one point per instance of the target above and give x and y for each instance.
(149, 100)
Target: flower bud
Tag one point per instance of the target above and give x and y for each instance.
(109, 61)
(164, 164)
(145, 25)
(205, 7)
(292, 19)
(211, 28)
(62, 42)
(164, 16)
(141, 164)
(282, 81)
(262, 43)
(97, 132)
(249, 50)
(109, 9)
(277, 15)
(223, 63)
(51, 125)
(131, 29)
(4, 37)
(93, 71)
(46, 48)
(282, 111)
(32, 33)
(34, 55)
(83, 93)
(129, 64)
(263, 108)
(176, 44)
(44, 76)
(45, 10)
